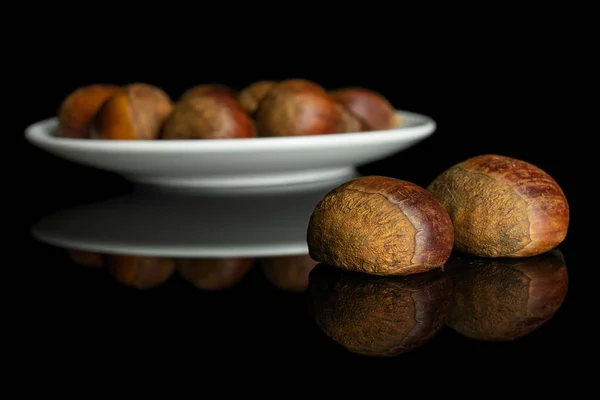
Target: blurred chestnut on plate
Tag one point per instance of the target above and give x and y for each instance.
(348, 122)
(212, 89)
(372, 109)
(297, 107)
(140, 272)
(379, 316)
(380, 226)
(86, 258)
(288, 273)
(504, 299)
(251, 96)
(502, 207)
(208, 117)
(134, 112)
(213, 273)
(77, 111)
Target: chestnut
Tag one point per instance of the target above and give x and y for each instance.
(77, 111)
(212, 89)
(213, 274)
(379, 316)
(502, 207)
(134, 112)
(504, 299)
(372, 109)
(251, 96)
(381, 226)
(139, 272)
(208, 117)
(288, 273)
(297, 107)
(86, 258)
(348, 122)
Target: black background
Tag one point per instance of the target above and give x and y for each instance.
(491, 90)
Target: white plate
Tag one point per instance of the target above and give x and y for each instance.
(235, 162)
(167, 224)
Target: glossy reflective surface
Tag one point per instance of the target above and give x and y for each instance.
(228, 275)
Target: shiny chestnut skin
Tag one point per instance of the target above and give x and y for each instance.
(251, 96)
(288, 273)
(134, 112)
(372, 109)
(212, 274)
(297, 107)
(502, 207)
(77, 111)
(501, 299)
(211, 89)
(381, 226)
(208, 117)
(139, 272)
(379, 316)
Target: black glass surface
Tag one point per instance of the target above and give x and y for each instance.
(476, 310)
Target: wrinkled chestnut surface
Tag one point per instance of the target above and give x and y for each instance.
(297, 107)
(502, 207)
(288, 273)
(208, 117)
(134, 112)
(140, 272)
(213, 273)
(504, 299)
(213, 89)
(77, 111)
(251, 96)
(372, 109)
(380, 226)
(379, 316)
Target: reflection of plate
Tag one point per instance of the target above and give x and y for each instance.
(180, 224)
(235, 163)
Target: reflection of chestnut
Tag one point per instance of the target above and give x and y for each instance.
(251, 96)
(134, 112)
(502, 207)
(297, 107)
(213, 89)
(213, 273)
(380, 226)
(379, 316)
(140, 272)
(77, 111)
(504, 299)
(289, 272)
(208, 117)
(372, 109)
(86, 258)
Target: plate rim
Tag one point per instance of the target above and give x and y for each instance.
(38, 134)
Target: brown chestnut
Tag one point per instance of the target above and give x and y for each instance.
(140, 272)
(213, 274)
(213, 89)
(297, 107)
(208, 117)
(134, 112)
(288, 273)
(251, 96)
(372, 109)
(348, 122)
(379, 316)
(86, 258)
(505, 299)
(380, 226)
(502, 207)
(77, 111)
